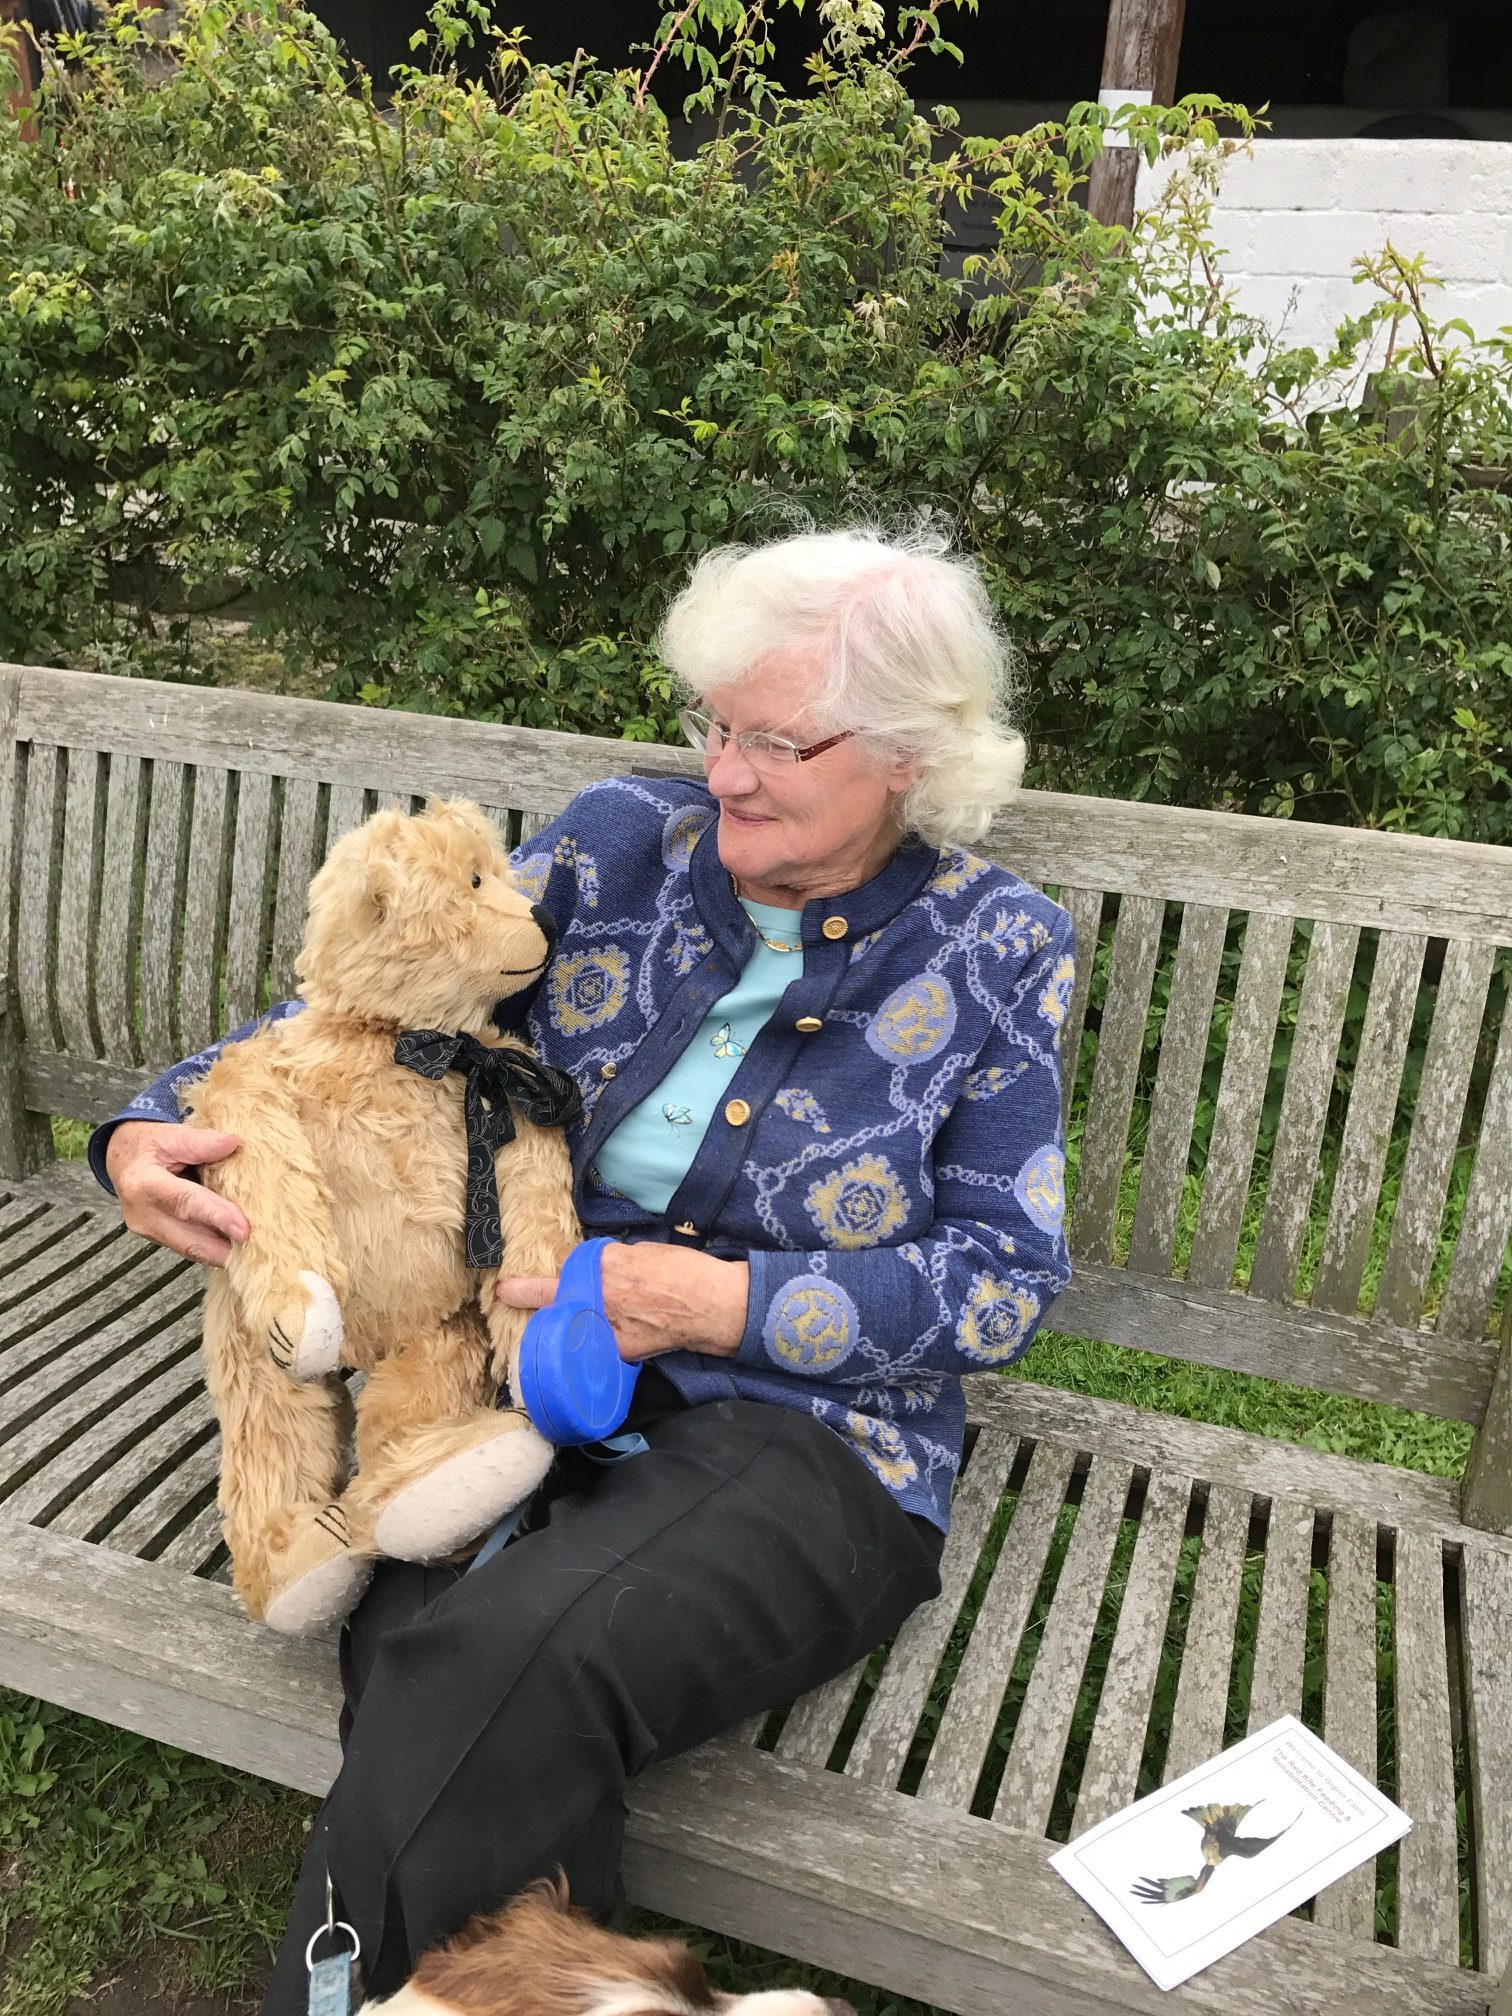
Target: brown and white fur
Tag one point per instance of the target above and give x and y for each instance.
(537, 1957)
(351, 1174)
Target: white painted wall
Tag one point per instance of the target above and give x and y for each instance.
(1292, 214)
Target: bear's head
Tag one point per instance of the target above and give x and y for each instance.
(416, 921)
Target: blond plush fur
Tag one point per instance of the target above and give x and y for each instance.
(351, 1175)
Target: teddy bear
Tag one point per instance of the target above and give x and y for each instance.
(394, 1146)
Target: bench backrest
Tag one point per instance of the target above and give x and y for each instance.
(161, 839)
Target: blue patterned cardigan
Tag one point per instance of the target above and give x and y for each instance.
(899, 1185)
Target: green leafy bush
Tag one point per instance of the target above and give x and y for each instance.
(442, 386)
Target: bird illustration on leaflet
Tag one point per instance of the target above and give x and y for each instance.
(1221, 1839)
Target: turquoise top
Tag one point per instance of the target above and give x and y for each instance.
(651, 1150)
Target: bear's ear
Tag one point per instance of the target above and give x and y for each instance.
(380, 885)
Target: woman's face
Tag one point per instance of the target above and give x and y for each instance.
(801, 830)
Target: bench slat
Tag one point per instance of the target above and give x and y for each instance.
(882, 1744)
(969, 1720)
(28, 1226)
(76, 906)
(1368, 1123)
(1470, 1291)
(160, 912)
(38, 878)
(77, 1256)
(1208, 1650)
(1440, 1109)
(116, 946)
(1349, 1700)
(1435, 1372)
(1120, 1039)
(809, 1733)
(296, 864)
(1085, 907)
(1027, 1790)
(246, 923)
(1281, 1634)
(94, 1470)
(196, 1473)
(347, 810)
(1110, 1776)
(1486, 1621)
(1427, 1867)
(1241, 1096)
(1304, 1110)
(199, 1003)
(1183, 1051)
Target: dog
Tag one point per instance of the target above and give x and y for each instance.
(540, 1957)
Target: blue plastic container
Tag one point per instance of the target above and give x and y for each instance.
(574, 1384)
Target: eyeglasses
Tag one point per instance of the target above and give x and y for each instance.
(763, 751)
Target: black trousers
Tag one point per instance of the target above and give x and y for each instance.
(492, 1719)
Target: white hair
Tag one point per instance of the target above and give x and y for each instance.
(913, 662)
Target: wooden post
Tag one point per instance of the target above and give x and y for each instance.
(1140, 55)
(25, 1138)
(1486, 1489)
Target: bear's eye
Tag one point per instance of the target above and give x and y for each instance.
(477, 881)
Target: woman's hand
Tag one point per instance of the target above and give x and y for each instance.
(658, 1298)
(145, 1161)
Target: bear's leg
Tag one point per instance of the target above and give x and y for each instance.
(437, 1463)
(299, 1560)
(288, 1277)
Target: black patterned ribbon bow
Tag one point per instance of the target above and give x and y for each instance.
(493, 1080)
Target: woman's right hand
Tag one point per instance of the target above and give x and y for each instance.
(145, 1161)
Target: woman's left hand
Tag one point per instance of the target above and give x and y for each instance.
(658, 1298)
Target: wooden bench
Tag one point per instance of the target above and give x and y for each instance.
(156, 845)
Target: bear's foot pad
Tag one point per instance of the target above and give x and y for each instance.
(324, 1595)
(463, 1496)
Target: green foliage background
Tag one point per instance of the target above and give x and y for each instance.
(444, 387)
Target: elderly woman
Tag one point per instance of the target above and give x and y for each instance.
(817, 1043)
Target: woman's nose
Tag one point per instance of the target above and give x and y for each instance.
(731, 772)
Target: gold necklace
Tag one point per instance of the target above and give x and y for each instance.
(772, 944)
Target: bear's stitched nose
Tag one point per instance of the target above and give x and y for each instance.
(545, 924)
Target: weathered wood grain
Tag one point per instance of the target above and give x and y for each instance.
(1281, 1634)
(1436, 1120)
(246, 921)
(1368, 1123)
(1084, 907)
(34, 1287)
(1481, 1247)
(1304, 1110)
(881, 1748)
(1027, 1789)
(161, 908)
(1427, 1867)
(120, 894)
(76, 901)
(166, 1445)
(139, 1531)
(1259, 1464)
(296, 864)
(347, 810)
(1241, 1095)
(1486, 1488)
(1110, 1775)
(809, 1733)
(38, 897)
(80, 1088)
(1486, 1621)
(1294, 869)
(970, 1715)
(25, 1137)
(1183, 1051)
(199, 992)
(1208, 1650)
(123, 1442)
(1434, 1372)
(1349, 1700)
(1136, 943)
